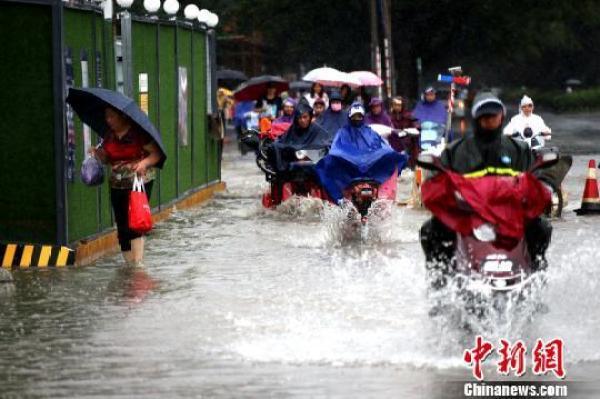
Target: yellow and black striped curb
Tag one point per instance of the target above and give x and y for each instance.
(24, 256)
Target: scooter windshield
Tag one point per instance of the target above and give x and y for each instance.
(431, 134)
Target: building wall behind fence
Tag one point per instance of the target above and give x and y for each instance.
(27, 181)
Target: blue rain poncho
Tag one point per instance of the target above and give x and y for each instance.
(357, 152)
(314, 137)
(434, 111)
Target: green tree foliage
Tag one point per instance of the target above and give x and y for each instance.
(509, 42)
(514, 42)
(309, 33)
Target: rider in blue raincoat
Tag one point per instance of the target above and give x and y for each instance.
(430, 108)
(357, 152)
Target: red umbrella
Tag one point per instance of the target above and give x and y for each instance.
(256, 88)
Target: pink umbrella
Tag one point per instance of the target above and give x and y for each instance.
(331, 77)
(367, 78)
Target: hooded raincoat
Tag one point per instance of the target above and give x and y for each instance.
(434, 111)
(332, 121)
(382, 118)
(357, 152)
(314, 137)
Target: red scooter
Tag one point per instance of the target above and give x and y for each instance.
(298, 180)
(489, 215)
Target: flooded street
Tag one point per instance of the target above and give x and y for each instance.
(236, 301)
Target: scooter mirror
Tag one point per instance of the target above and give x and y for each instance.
(550, 157)
(545, 158)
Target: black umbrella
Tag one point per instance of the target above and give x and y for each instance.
(231, 74)
(90, 105)
(300, 85)
(256, 87)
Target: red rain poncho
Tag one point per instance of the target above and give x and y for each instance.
(506, 202)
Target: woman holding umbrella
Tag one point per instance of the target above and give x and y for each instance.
(131, 145)
(317, 93)
(271, 101)
(130, 153)
(346, 93)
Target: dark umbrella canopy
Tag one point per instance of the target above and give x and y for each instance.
(90, 104)
(300, 85)
(255, 88)
(231, 74)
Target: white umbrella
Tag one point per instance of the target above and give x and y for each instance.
(331, 77)
(367, 78)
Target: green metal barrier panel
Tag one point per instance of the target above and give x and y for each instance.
(168, 111)
(166, 54)
(80, 35)
(145, 67)
(27, 182)
(104, 43)
(213, 159)
(185, 142)
(200, 171)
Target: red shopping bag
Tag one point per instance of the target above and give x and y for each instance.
(140, 216)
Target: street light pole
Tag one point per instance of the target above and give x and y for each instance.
(390, 75)
(127, 53)
(375, 50)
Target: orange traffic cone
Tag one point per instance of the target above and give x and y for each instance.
(590, 204)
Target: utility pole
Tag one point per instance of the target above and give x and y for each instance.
(375, 49)
(388, 51)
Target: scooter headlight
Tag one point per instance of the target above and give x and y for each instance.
(300, 154)
(485, 232)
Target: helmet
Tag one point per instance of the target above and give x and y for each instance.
(487, 104)
(356, 108)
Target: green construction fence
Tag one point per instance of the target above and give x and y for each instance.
(34, 171)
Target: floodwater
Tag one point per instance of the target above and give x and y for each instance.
(240, 302)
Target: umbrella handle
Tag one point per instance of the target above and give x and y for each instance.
(96, 147)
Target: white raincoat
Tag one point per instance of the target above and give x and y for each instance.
(519, 122)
